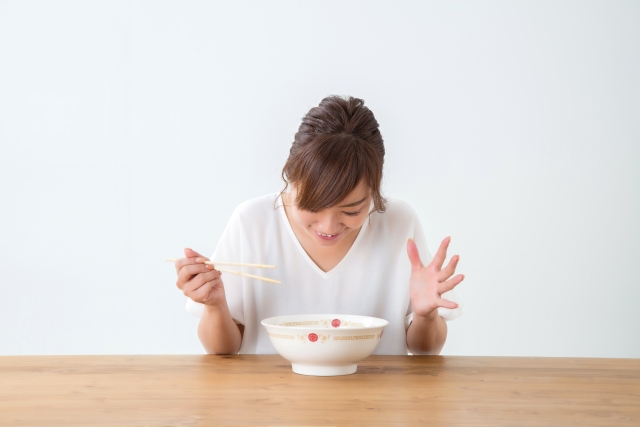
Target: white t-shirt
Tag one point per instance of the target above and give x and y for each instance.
(371, 280)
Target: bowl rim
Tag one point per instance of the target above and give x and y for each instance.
(333, 316)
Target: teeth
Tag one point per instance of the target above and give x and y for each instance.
(326, 235)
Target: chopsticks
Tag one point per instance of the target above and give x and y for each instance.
(239, 273)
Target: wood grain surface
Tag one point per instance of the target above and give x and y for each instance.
(262, 390)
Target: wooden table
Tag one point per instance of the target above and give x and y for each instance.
(262, 390)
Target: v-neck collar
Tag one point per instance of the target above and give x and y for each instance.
(324, 274)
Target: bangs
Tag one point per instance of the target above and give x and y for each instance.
(330, 169)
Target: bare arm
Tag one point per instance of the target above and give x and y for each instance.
(217, 331)
(427, 335)
(428, 331)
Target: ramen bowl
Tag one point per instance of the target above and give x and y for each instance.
(324, 344)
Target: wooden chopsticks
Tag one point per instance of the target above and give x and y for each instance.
(239, 273)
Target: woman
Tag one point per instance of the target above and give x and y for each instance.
(340, 247)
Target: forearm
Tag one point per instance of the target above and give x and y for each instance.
(217, 331)
(427, 335)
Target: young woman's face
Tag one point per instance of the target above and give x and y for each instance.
(329, 226)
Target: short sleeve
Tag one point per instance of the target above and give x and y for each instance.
(426, 257)
(229, 249)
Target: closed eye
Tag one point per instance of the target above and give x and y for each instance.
(351, 213)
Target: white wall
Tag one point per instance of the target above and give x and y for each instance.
(130, 130)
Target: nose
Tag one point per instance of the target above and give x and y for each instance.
(329, 224)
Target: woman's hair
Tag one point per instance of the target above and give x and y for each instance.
(337, 145)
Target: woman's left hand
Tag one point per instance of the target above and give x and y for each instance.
(427, 284)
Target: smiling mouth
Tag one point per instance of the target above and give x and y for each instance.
(327, 236)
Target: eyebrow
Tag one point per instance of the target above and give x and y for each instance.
(353, 204)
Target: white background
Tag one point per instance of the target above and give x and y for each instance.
(130, 130)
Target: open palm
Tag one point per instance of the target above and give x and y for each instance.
(427, 284)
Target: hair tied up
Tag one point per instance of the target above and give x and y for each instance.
(338, 144)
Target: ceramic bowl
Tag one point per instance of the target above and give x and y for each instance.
(324, 344)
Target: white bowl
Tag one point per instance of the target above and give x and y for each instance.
(324, 344)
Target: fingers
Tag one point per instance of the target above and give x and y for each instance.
(450, 284)
(201, 294)
(448, 271)
(446, 303)
(196, 279)
(190, 253)
(414, 256)
(199, 281)
(192, 257)
(187, 272)
(441, 255)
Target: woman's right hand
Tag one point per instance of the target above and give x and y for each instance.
(199, 281)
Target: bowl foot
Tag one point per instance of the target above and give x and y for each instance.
(324, 370)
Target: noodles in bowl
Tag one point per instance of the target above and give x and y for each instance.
(324, 344)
